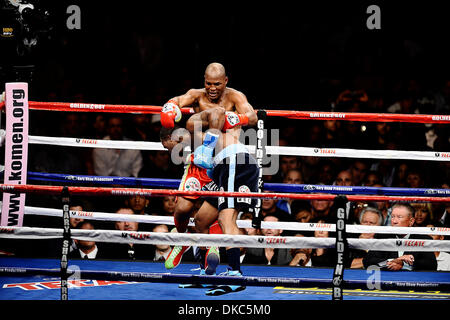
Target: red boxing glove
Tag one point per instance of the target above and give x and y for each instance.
(233, 119)
(170, 114)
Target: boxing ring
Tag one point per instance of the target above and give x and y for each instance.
(47, 279)
(46, 287)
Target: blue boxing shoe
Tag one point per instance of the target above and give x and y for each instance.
(224, 289)
(197, 285)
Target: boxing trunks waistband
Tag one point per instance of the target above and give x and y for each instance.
(229, 151)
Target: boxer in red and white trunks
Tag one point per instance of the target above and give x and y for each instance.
(194, 178)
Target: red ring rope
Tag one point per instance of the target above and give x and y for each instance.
(96, 191)
(304, 115)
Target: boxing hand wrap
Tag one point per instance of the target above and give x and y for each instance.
(203, 155)
(233, 119)
(170, 113)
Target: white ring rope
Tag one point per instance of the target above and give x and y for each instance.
(359, 153)
(222, 240)
(270, 150)
(294, 226)
(96, 143)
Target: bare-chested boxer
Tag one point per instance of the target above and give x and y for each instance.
(238, 112)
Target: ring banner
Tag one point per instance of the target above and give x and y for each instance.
(66, 243)
(341, 247)
(16, 152)
(260, 154)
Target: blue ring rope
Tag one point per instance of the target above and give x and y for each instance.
(274, 187)
(226, 280)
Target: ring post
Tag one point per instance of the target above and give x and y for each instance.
(65, 244)
(341, 247)
(260, 154)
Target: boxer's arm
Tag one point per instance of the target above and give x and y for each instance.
(213, 118)
(188, 98)
(171, 113)
(244, 107)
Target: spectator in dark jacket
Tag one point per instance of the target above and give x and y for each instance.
(268, 256)
(128, 251)
(402, 216)
(86, 249)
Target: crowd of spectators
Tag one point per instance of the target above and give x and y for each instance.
(150, 72)
(292, 170)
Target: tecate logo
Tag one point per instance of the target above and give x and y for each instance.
(442, 154)
(328, 151)
(139, 236)
(84, 214)
(439, 229)
(57, 284)
(410, 243)
(86, 141)
(275, 240)
(414, 243)
(323, 225)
